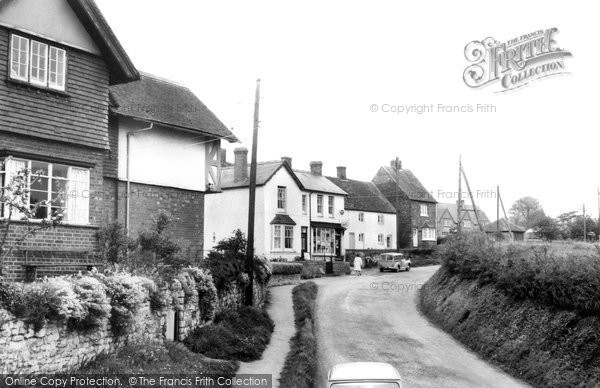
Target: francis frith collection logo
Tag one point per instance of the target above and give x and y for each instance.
(514, 63)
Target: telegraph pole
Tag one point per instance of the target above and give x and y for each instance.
(498, 214)
(584, 226)
(459, 202)
(249, 297)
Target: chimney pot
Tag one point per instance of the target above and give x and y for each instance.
(393, 164)
(240, 169)
(316, 168)
(341, 172)
(287, 160)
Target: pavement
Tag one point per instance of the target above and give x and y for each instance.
(281, 311)
(374, 317)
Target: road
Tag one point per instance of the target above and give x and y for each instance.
(374, 317)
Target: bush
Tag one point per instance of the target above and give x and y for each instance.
(113, 243)
(311, 271)
(127, 294)
(94, 300)
(286, 268)
(556, 276)
(234, 335)
(207, 292)
(300, 366)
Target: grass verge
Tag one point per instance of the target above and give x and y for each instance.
(300, 366)
(234, 335)
(171, 358)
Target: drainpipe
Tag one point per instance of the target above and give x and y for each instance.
(310, 252)
(127, 203)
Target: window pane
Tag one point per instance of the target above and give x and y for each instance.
(57, 68)
(19, 65)
(60, 170)
(39, 63)
(39, 184)
(40, 168)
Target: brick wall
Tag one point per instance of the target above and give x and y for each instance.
(186, 206)
(69, 242)
(417, 221)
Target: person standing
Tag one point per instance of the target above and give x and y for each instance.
(358, 265)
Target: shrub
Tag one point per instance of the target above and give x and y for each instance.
(300, 366)
(113, 243)
(262, 269)
(311, 271)
(94, 300)
(234, 335)
(127, 295)
(286, 268)
(207, 292)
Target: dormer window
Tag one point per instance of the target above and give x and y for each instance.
(37, 63)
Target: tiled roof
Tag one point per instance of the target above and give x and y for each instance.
(492, 227)
(363, 196)
(318, 183)
(282, 219)
(452, 209)
(264, 172)
(410, 185)
(167, 103)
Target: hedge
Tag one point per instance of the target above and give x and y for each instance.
(286, 268)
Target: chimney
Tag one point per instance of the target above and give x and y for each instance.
(316, 168)
(341, 172)
(223, 157)
(240, 169)
(287, 160)
(393, 164)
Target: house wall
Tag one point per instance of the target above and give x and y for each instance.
(61, 243)
(79, 116)
(293, 209)
(417, 222)
(226, 211)
(54, 19)
(146, 201)
(162, 156)
(371, 228)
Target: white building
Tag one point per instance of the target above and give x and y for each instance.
(370, 219)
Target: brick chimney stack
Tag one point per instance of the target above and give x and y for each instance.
(316, 168)
(240, 169)
(341, 172)
(287, 160)
(393, 164)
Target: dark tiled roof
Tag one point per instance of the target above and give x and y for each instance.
(167, 103)
(410, 185)
(282, 219)
(491, 227)
(264, 172)
(317, 183)
(452, 209)
(363, 196)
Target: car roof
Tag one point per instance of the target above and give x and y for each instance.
(393, 254)
(363, 371)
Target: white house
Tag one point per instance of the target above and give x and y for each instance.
(324, 203)
(369, 217)
(279, 216)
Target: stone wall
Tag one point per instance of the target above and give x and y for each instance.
(55, 348)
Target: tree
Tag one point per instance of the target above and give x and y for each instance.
(14, 200)
(526, 212)
(547, 228)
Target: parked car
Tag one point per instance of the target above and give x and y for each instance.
(364, 375)
(393, 261)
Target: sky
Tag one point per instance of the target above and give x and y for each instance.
(324, 65)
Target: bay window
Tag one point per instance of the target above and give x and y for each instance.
(55, 191)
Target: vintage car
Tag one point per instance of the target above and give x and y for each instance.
(364, 375)
(393, 261)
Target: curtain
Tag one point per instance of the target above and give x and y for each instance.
(77, 196)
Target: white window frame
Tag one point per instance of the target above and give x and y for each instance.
(380, 219)
(428, 234)
(361, 217)
(304, 202)
(281, 198)
(61, 69)
(288, 235)
(46, 64)
(277, 237)
(76, 204)
(447, 222)
(467, 224)
(320, 204)
(424, 211)
(330, 205)
(39, 63)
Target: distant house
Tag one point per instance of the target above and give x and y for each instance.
(447, 221)
(164, 155)
(491, 230)
(323, 202)
(281, 218)
(370, 219)
(59, 59)
(414, 204)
